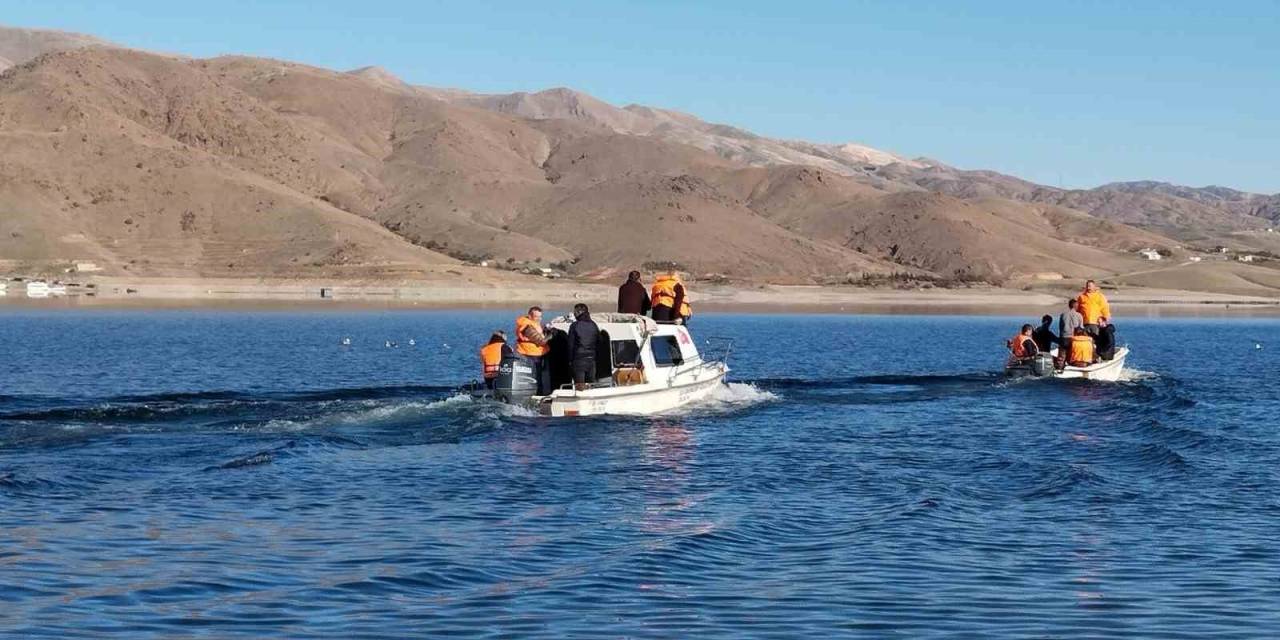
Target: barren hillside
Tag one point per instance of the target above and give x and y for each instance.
(244, 166)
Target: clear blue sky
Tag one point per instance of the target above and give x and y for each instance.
(1074, 93)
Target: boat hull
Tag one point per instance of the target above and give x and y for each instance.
(1105, 371)
(646, 399)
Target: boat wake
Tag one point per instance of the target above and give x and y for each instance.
(1137, 375)
(730, 397)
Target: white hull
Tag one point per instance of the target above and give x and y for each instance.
(645, 399)
(1105, 371)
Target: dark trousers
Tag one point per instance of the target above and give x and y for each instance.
(541, 373)
(584, 370)
(663, 314)
(489, 383)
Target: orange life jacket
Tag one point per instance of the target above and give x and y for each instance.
(1019, 346)
(525, 346)
(663, 294)
(1093, 305)
(490, 358)
(1081, 351)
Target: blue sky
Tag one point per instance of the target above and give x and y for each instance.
(1071, 93)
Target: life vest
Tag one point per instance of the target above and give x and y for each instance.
(491, 358)
(664, 294)
(525, 346)
(1019, 346)
(1081, 351)
(1093, 305)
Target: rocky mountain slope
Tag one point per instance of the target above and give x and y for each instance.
(242, 166)
(1184, 212)
(20, 45)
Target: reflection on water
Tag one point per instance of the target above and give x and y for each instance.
(229, 474)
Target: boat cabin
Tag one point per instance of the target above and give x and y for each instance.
(631, 348)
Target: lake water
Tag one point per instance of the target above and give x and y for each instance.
(244, 474)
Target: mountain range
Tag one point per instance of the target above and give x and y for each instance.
(161, 165)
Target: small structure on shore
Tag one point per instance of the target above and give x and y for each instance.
(1151, 254)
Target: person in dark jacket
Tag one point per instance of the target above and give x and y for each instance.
(1106, 340)
(1043, 335)
(583, 336)
(633, 297)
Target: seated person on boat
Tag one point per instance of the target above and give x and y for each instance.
(1081, 351)
(1023, 345)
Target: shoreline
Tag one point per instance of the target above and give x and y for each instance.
(264, 294)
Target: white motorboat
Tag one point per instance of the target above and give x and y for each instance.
(38, 289)
(1042, 366)
(642, 367)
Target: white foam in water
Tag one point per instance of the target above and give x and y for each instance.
(733, 396)
(367, 414)
(1136, 375)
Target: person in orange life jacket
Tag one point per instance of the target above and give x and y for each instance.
(531, 342)
(1093, 306)
(491, 356)
(1080, 353)
(669, 300)
(583, 336)
(1023, 345)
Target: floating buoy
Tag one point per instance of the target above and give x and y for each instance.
(346, 342)
(412, 342)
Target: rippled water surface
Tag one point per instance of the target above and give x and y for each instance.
(244, 474)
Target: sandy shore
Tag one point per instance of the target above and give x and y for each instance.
(554, 294)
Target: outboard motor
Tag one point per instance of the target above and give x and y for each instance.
(515, 383)
(1042, 365)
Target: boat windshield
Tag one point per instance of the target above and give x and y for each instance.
(666, 351)
(626, 353)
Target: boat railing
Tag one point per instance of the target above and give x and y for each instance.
(722, 344)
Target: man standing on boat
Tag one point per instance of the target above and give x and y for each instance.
(632, 296)
(669, 300)
(1093, 307)
(1068, 322)
(583, 337)
(531, 343)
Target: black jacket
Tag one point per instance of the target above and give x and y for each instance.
(633, 298)
(583, 336)
(1044, 337)
(1106, 342)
